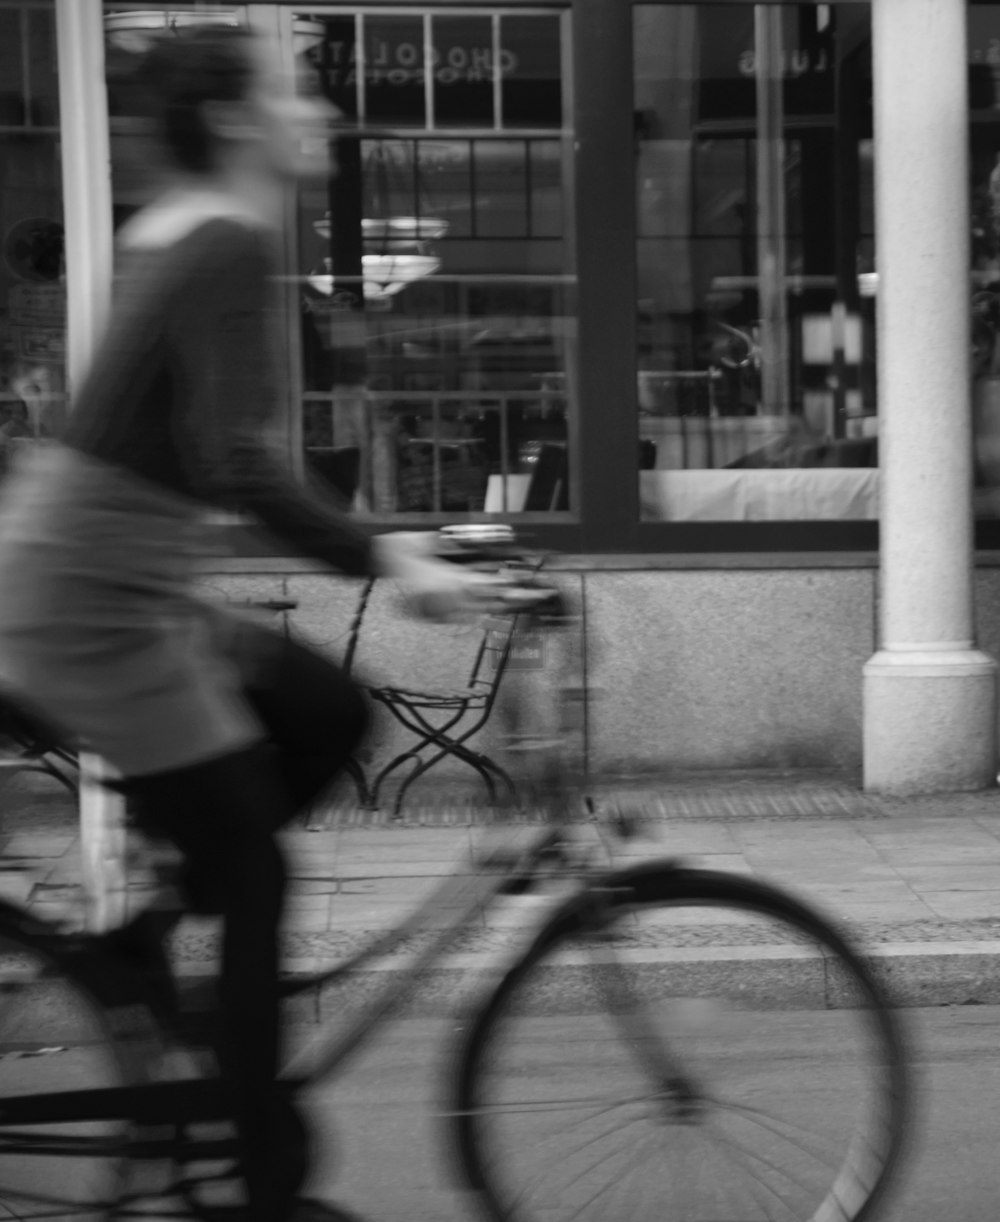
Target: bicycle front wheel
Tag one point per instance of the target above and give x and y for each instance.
(56, 1162)
(682, 1045)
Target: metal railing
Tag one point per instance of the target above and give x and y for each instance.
(443, 410)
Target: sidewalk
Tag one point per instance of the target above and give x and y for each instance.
(916, 881)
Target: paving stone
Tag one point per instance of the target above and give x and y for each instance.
(959, 904)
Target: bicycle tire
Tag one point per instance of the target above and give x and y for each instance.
(553, 1110)
(66, 1024)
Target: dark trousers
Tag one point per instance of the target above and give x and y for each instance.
(223, 815)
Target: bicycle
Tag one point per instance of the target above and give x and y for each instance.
(671, 1074)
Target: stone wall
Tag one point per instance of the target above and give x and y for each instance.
(685, 668)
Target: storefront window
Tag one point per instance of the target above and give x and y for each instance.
(32, 270)
(755, 248)
(984, 128)
(436, 278)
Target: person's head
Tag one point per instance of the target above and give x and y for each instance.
(215, 93)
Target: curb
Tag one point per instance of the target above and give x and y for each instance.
(762, 977)
(766, 979)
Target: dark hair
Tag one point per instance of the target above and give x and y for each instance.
(184, 69)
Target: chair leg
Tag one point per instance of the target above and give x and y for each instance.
(357, 774)
(392, 765)
(426, 765)
(314, 821)
(431, 737)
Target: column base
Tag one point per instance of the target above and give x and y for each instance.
(930, 722)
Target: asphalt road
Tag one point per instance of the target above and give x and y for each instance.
(384, 1156)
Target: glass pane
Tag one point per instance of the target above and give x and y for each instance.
(463, 71)
(394, 70)
(43, 106)
(530, 78)
(32, 268)
(436, 301)
(501, 188)
(547, 204)
(445, 169)
(465, 407)
(754, 216)
(13, 102)
(389, 184)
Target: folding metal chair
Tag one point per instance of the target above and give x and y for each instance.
(443, 721)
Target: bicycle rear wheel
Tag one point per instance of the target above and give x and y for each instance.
(55, 1036)
(638, 1064)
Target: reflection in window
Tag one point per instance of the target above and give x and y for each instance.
(465, 408)
(32, 268)
(450, 278)
(756, 355)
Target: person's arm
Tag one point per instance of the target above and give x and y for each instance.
(223, 328)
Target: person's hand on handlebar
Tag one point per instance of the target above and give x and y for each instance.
(436, 588)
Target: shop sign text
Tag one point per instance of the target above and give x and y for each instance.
(406, 63)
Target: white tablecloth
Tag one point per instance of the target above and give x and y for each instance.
(759, 494)
(517, 493)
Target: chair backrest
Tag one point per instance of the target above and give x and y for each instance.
(494, 653)
(355, 629)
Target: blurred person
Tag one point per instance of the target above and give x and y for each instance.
(14, 427)
(37, 386)
(220, 729)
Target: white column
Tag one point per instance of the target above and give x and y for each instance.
(86, 174)
(929, 694)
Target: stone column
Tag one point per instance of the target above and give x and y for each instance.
(86, 173)
(929, 694)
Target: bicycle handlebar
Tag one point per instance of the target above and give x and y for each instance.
(517, 587)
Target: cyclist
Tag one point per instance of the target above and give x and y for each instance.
(222, 730)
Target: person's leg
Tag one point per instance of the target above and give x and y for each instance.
(221, 815)
(314, 714)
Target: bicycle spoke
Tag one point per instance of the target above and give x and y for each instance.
(559, 1105)
(565, 1156)
(639, 1154)
(745, 1155)
(756, 1184)
(787, 1130)
(529, 1190)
